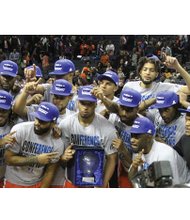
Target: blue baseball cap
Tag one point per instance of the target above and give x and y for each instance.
(111, 76)
(166, 99)
(63, 67)
(142, 125)
(8, 68)
(46, 111)
(187, 110)
(6, 100)
(84, 94)
(61, 87)
(129, 98)
(38, 71)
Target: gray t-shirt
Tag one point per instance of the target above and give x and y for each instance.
(99, 133)
(170, 133)
(29, 144)
(151, 92)
(3, 131)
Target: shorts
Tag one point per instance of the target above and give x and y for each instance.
(123, 179)
(12, 185)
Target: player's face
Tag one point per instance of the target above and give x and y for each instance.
(4, 116)
(108, 88)
(86, 109)
(7, 82)
(61, 102)
(41, 127)
(140, 141)
(148, 73)
(127, 114)
(168, 114)
(187, 124)
(68, 77)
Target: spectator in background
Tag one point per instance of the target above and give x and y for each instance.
(14, 56)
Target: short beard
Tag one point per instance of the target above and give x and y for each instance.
(41, 131)
(147, 82)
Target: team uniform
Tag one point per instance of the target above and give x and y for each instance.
(170, 133)
(151, 92)
(162, 152)
(59, 177)
(29, 144)
(3, 131)
(99, 133)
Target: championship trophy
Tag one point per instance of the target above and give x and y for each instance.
(86, 167)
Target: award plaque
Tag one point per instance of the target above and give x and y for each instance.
(86, 167)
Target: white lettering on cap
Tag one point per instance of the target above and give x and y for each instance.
(60, 87)
(149, 131)
(43, 111)
(127, 98)
(108, 74)
(160, 101)
(70, 69)
(8, 67)
(58, 68)
(86, 92)
(2, 100)
(135, 126)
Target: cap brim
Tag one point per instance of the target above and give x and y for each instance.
(87, 99)
(8, 74)
(59, 73)
(102, 77)
(127, 104)
(61, 94)
(184, 110)
(161, 106)
(6, 107)
(41, 117)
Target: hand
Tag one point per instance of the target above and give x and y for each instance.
(97, 91)
(170, 62)
(35, 99)
(47, 158)
(8, 139)
(105, 113)
(118, 144)
(31, 87)
(138, 160)
(56, 132)
(30, 74)
(68, 153)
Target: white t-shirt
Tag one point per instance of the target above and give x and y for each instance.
(30, 144)
(163, 152)
(151, 92)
